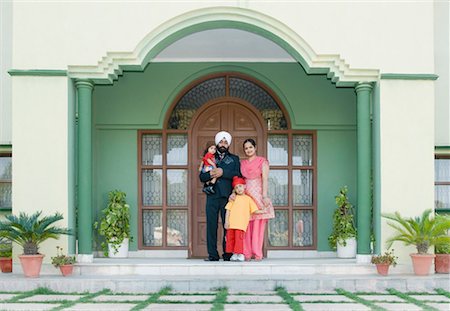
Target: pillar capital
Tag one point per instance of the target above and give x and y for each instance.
(363, 86)
(84, 83)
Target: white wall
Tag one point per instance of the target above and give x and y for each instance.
(5, 65)
(442, 54)
(40, 174)
(394, 37)
(407, 152)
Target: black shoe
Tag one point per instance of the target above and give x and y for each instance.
(211, 259)
(209, 189)
(227, 256)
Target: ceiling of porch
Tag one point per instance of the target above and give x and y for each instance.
(224, 45)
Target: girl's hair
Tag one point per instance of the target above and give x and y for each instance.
(208, 144)
(249, 140)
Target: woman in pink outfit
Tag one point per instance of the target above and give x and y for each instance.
(255, 169)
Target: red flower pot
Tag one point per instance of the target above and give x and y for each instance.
(66, 269)
(383, 268)
(31, 265)
(422, 263)
(442, 263)
(6, 264)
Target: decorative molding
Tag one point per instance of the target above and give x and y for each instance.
(112, 65)
(408, 76)
(442, 150)
(5, 148)
(38, 72)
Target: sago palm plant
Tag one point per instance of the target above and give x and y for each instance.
(31, 230)
(423, 231)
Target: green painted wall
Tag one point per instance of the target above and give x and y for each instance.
(140, 100)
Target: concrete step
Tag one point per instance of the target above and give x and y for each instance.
(143, 275)
(237, 283)
(198, 267)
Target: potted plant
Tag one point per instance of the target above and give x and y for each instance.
(442, 260)
(63, 262)
(383, 262)
(115, 225)
(5, 256)
(29, 231)
(343, 237)
(422, 232)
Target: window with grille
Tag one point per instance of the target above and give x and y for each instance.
(5, 181)
(442, 183)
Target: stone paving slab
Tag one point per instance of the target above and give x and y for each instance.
(256, 307)
(6, 296)
(388, 298)
(398, 306)
(27, 306)
(243, 292)
(188, 298)
(335, 307)
(121, 298)
(333, 298)
(178, 307)
(101, 306)
(253, 298)
(43, 298)
(430, 298)
(440, 306)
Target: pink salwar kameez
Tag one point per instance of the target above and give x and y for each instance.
(254, 236)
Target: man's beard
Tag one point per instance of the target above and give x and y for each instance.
(222, 149)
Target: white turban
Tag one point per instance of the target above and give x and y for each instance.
(223, 135)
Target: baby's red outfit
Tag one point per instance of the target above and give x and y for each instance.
(207, 156)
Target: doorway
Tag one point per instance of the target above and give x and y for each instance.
(242, 121)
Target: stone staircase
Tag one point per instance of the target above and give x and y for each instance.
(141, 275)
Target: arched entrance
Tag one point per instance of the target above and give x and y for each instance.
(242, 121)
(172, 204)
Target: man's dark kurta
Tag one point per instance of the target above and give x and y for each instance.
(215, 203)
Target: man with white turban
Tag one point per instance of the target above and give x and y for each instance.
(228, 166)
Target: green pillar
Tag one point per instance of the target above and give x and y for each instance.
(84, 96)
(364, 149)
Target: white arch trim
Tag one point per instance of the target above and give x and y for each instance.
(113, 64)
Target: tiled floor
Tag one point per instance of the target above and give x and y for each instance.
(43, 299)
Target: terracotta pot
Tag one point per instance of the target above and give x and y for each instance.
(422, 263)
(6, 264)
(383, 268)
(66, 269)
(31, 265)
(442, 263)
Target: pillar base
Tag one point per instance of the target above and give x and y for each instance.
(85, 258)
(363, 259)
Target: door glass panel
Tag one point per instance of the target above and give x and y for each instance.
(442, 196)
(151, 149)
(278, 229)
(278, 187)
(302, 181)
(177, 228)
(302, 231)
(277, 149)
(152, 187)
(152, 228)
(177, 150)
(177, 187)
(302, 150)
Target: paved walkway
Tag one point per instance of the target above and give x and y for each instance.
(222, 299)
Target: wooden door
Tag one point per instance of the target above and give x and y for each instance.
(242, 121)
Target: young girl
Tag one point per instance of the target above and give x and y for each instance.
(209, 163)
